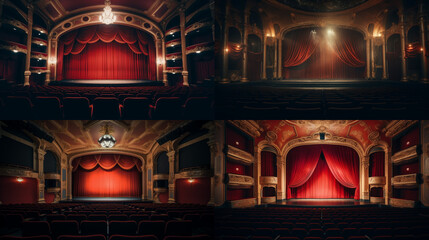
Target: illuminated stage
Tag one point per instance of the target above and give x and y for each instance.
(105, 199)
(321, 203)
(106, 83)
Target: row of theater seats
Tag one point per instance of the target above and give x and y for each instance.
(54, 102)
(113, 237)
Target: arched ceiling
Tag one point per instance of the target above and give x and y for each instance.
(56, 10)
(75, 136)
(362, 131)
(322, 5)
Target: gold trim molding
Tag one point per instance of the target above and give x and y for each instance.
(194, 173)
(405, 181)
(243, 203)
(52, 176)
(248, 126)
(396, 202)
(160, 177)
(239, 155)
(380, 180)
(405, 155)
(397, 126)
(17, 172)
(268, 180)
(237, 180)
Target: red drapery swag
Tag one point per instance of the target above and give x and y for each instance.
(376, 164)
(107, 175)
(303, 163)
(99, 52)
(315, 55)
(268, 164)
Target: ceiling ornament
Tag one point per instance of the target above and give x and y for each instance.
(107, 17)
(107, 140)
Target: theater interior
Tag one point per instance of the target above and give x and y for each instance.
(308, 59)
(106, 179)
(102, 59)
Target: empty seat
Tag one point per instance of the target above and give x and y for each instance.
(82, 237)
(52, 217)
(156, 217)
(151, 228)
(118, 217)
(18, 107)
(178, 228)
(97, 217)
(197, 108)
(44, 237)
(48, 108)
(136, 108)
(106, 108)
(76, 108)
(77, 217)
(64, 227)
(88, 227)
(126, 237)
(139, 217)
(196, 237)
(35, 228)
(167, 108)
(122, 227)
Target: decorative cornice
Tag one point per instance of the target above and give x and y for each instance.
(243, 203)
(397, 126)
(39, 42)
(267, 180)
(199, 48)
(39, 55)
(40, 29)
(248, 126)
(405, 181)
(239, 155)
(160, 177)
(381, 180)
(190, 16)
(174, 42)
(173, 56)
(53, 190)
(13, 47)
(16, 24)
(405, 155)
(160, 190)
(172, 31)
(17, 172)
(52, 176)
(196, 26)
(240, 181)
(194, 173)
(396, 202)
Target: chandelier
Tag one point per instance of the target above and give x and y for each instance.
(107, 16)
(107, 140)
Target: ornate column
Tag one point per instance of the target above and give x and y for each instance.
(225, 46)
(157, 49)
(149, 178)
(368, 57)
(257, 175)
(373, 69)
(183, 41)
(171, 179)
(144, 182)
(365, 176)
(281, 178)
(423, 32)
(279, 56)
(48, 62)
(264, 57)
(53, 43)
(244, 37)
(384, 57)
(403, 49)
(214, 149)
(27, 72)
(40, 159)
(275, 57)
(164, 63)
(388, 174)
(69, 181)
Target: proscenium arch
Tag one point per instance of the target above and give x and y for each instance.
(334, 140)
(285, 31)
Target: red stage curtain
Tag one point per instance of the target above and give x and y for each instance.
(323, 56)
(344, 165)
(302, 162)
(106, 52)
(376, 165)
(197, 192)
(268, 164)
(106, 161)
(99, 182)
(14, 192)
(322, 184)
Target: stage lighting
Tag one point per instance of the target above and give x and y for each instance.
(330, 32)
(107, 140)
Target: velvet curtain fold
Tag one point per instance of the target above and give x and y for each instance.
(77, 43)
(106, 162)
(268, 164)
(346, 48)
(376, 164)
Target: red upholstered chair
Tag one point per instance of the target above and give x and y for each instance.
(167, 108)
(88, 227)
(64, 227)
(382, 237)
(14, 220)
(299, 232)
(334, 238)
(35, 228)
(76, 108)
(18, 107)
(139, 217)
(97, 217)
(44, 237)
(126, 237)
(196, 237)
(178, 228)
(289, 238)
(82, 237)
(136, 108)
(77, 217)
(235, 238)
(156, 217)
(261, 238)
(198, 108)
(52, 217)
(357, 238)
(122, 227)
(106, 108)
(118, 217)
(315, 233)
(48, 108)
(151, 228)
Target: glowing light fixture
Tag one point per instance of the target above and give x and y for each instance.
(191, 180)
(15, 51)
(107, 140)
(107, 16)
(198, 51)
(226, 50)
(19, 179)
(330, 32)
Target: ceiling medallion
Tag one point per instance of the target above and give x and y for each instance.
(107, 16)
(107, 140)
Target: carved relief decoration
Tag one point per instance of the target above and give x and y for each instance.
(239, 155)
(397, 126)
(396, 202)
(405, 181)
(248, 126)
(239, 180)
(194, 173)
(381, 180)
(405, 155)
(266, 180)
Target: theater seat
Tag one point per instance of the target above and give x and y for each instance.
(35, 228)
(82, 237)
(106, 108)
(139, 217)
(122, 227)
(88, 227)
(44, 237)
(151, 228)
(136, 108)
(118, 217)
(18, 107)
(125, 237)
(64, 227)
(77, 217)
(77, 108)
(48, 108)
(167, 108)
(197, 108)
(14, 220)
(196, 237)
(178, 228)
(52, 217)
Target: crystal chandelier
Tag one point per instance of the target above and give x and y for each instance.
(107, 16)
(107, 140)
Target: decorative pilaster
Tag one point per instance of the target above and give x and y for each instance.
(403, 48)
(275, 57)
(280, 61)
(225, 46)
(368, 58)
(171, 179)
(144, 186)
(69, 181)
(157, 49)
(257, 175)
(388, 173)
(27, 72)
(40, 159)
(164, 64)
(365, 176)
(244, 37)
(264, 57)
(373, 67)
(281, 178)
(423, 34)
(183, 40)
(384, 57)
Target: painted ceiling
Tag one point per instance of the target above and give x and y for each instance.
(362, 131)
(156, 10)
(322, 5)
(79, 136)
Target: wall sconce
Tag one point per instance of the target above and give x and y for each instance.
(52, 60)
(226, 50)
(160, 61)
(191, 180)
(19, 179)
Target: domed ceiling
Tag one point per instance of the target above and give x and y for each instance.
(322, 5)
